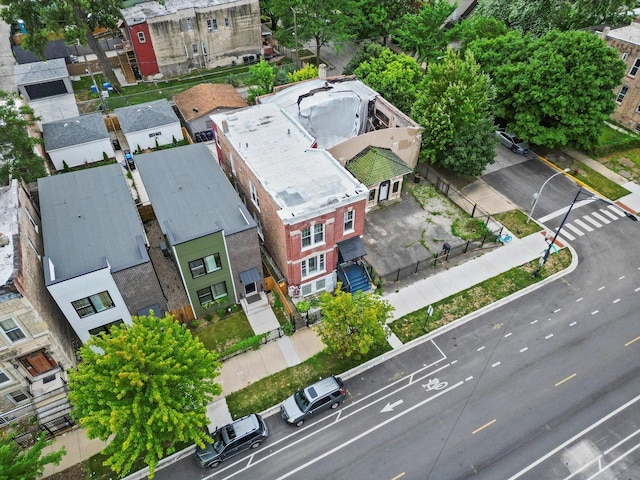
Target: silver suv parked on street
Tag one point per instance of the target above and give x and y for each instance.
(322, 395)
(243, 434)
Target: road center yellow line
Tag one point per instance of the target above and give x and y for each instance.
(398, 476)
(566, 379)
(634, 340)
(483, 426)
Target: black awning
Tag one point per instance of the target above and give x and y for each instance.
(250, 276)
(146, 311)
(351, 249)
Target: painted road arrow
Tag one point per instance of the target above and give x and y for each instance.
(390, 406)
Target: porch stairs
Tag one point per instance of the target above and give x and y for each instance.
(353, 278)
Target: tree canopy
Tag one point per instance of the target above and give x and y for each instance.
(261, 80)
(71, 20)
(538, 17)
(454, 108)
(422, 33)
(393, 76)
(555, 90)
(352, 325)
(18, 158)
(145, 387)
(25, 464)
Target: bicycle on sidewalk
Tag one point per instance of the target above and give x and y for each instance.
(506, 238)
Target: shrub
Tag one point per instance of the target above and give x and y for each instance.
(251, 343)
(288, 329)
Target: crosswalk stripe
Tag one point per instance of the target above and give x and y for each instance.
(616, 210)
(583, 225)
(608, 214)
(565, 234)
(601, 218)
(574, 229)
(592, 221)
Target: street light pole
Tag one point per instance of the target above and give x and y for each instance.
(295, 35)
(536, 196)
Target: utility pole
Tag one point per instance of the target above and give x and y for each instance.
(90, 72)
(295, 35)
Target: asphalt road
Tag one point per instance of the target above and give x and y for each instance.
(511, 394)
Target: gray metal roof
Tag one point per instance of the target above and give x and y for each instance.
(190, 194)
(630, 33)
(74, 131)
(39, 72)
(141, 12)
(89, 215)
(144, 116)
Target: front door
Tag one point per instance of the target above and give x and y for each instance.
(37, 363)
(384, 191)
(250, 288)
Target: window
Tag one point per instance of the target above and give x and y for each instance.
(93, 304)
(624, 56)
(227, 23)
(205, 265)
(622, 94)
(141, 37)
(18, 396)
(204, 48)
(189, 24)
(12, 330)
(106, 328)
(254, 195)
(4, 378)
(212, 24)
(194, 48)
(634, 68)
(372, 195)
(156, 134)
(306, 290)
(348, 221)
(214, 292)
(396, 187)
(637, 127)
(312, 235)
(312, 265)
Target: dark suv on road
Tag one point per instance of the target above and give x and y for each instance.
(243, 434)
(322, 395)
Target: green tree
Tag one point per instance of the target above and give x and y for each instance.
(353, 324)
(305, 73)
(261, 79)
(476, 27)
(366, 51)
(72, 20)
(393, 76)
(538, 17)
(453, 105)
(145, 387)
(555, 90)
(422, 33)
(17, 463)
(17, 146)
(377, 18)
(324, 22)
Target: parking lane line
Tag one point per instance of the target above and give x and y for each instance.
(622, 277)
(602, 288)
(572, 324)
(495, 364)
(565, 380)
(580, 299)
(616, 300)
(480, 349)
(535, 321)
(632, 341)
(483, 426)
(548, 336)
(398, 476)
(522, 350)
(595, 311)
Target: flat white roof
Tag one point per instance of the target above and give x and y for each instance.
(301, 179)
(8, 228)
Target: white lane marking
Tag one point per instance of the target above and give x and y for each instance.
(581, 224)
(580, 299)
(622, 277)
(616, 210)
(595, 311)
(557, 310)
(574, 229)
(522, 350)
(616, 300)
(566, 235)
(508, 335)
(637, 289)
(592, 221)
(481, 348)
(548, 336)
(572, 324)
(609, 214)
(602, 288)
(535, 321)
(365, 433)
(468, 378)
(454, 362)
(495, 364)
(601, 218)
(574, 438)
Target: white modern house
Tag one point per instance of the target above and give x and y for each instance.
(96, 262)
(149, 125)
(76, 141)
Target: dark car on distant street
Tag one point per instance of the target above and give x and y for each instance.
(116, 144)
(512, 142)
(128, 160)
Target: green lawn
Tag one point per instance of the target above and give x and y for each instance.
(600, 183)
(516, 222)
(221, 334)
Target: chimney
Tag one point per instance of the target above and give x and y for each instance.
(322, 71)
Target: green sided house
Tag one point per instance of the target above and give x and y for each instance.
(207, 228)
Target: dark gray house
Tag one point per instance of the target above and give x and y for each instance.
(208, 229)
